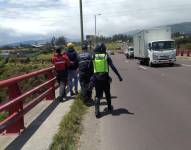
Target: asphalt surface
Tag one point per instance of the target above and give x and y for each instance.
(152, 108)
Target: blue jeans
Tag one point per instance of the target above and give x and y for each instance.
(72, 75)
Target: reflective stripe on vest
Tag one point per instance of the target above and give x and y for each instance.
(60, 62)
(100, 63)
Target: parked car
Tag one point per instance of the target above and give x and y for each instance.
(129, 53)
(110, 52)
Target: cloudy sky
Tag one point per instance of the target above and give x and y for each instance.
(22, 20)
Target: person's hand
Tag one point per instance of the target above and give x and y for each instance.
(110, 79)
(120, 79)
(90, 86)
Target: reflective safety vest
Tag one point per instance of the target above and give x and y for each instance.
(100, 63)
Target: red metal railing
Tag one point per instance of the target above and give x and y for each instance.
(183, 53)
(14, 123)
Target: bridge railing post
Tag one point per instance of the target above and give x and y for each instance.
(188, 53)
(51, 95)
(177, 52)
(182, 53)
(18, 125)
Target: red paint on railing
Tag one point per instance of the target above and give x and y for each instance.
(14, 123)
(183, 53)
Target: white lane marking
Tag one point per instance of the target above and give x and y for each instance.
(185, 65)
(143, 67)
(126, 61)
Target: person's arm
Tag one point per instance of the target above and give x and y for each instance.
(114, 68)
(90, 66)
(77, 59)
(52, 60)
(67, 60)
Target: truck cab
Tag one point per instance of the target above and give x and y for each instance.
(161, 52)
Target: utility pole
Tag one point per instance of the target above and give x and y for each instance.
(95, 31)
(81, 22)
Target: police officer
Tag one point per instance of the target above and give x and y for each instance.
(101, 78)
(85, 72)
(61, 63)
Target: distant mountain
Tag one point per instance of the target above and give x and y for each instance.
(32, 42)
(29, 42)
(181, 27)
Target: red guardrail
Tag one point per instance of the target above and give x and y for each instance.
(183, 53)
(14, 123)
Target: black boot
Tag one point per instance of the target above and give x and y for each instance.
(110, 108)
(97, 112)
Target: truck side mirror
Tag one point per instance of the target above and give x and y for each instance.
(150, 47)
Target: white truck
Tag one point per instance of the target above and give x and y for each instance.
(155, 46)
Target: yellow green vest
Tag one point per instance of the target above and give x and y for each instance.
(100, 63)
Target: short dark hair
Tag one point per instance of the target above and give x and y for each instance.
(100, 48)
(58, 49)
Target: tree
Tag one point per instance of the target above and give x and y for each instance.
(60, 41)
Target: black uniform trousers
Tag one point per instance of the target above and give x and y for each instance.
(103, 86)
(62, 81)
(84, 83)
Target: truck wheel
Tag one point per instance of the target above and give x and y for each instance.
(171, 64)
(147, 62)
(150, 64)
(141, 62)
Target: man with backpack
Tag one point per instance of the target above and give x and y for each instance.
(72, 72)
(61, 63)
(85, 72)
(101, 79)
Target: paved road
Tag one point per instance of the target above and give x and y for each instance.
(160, 99)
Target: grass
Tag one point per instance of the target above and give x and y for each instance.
(70, 127)
(183, 58)
(45, 57)
(3, 115)
(19, 66)
(185, 46)
(112, 46)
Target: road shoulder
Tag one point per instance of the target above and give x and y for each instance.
(90, 137)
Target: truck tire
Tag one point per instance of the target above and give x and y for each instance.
(171, 64)
(150, 64)
(141, 62)
(146, 62)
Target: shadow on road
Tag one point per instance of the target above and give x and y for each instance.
(112, 97)
(116, 112)
(91, 103)
(20, 141)
(166, 65)
(162, 65)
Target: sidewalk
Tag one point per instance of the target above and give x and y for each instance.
(42, 123)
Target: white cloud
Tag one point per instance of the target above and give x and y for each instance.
(45, 17)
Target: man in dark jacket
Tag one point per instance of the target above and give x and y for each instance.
(72, 72)
(61, 63)
(85, 72)
(101, 78)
